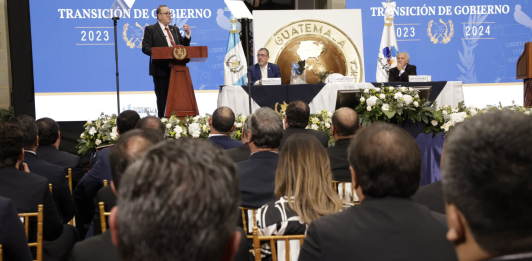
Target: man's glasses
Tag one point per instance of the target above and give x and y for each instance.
(167, 13)
(261, 55)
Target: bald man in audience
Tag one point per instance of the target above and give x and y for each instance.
(344, 125)
(487, 187)
(222, 124)
(150, 122)
(128, 149)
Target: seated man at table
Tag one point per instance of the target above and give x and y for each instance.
(403, 69)
(263, 69)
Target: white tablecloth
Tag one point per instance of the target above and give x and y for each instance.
(236, 98)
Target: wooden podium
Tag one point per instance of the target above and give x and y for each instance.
(181, 99)
(524, 71)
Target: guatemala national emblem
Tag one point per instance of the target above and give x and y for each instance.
(234, 63)
(179, 53)
(440, 32)
(134, 37)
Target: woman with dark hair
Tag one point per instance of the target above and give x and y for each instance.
(303, 184)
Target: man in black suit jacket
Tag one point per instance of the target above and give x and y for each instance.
(385, 165)
(28, 191)
(222, 124)
(162, 34)
(257, 175)
(296, 121)
(345, 124)
(431, 195)
(128, 149)
(55, 174)
(403, 69)
(487, 187)
(49, 139)
(243, 152)
(12, 233)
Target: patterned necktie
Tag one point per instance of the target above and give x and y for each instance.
(170, 36)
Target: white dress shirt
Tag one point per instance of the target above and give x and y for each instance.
(264, 73)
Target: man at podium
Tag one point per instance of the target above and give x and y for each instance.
(162, 34)
(263, 69)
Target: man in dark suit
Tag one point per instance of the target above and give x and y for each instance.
(487, 187)
(263, 69)
(162, 34)
(385, 162)
(222, 124)
(12, 233)
(55, 174)
(203, 207)
(403, 69)
(296, 121)
(151, 122)
(49, 139)
(431, 195)
(257, 175)
(243, 152)
(345, 124)
(128, 149)
(28, 191)
(93, 180)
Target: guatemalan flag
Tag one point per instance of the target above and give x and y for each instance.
(235, 64)
(388, 49)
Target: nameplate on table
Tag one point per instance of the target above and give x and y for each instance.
(345, 79)
(271, 81)
(419, 78)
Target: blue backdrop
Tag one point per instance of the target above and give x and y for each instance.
(476, 41)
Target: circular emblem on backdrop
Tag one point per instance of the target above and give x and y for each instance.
(133, 35)
(234, 64)
(324, 48)
(440, 32)
(179, 53)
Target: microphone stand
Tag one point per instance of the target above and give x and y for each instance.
(249, 89)
(115, 19)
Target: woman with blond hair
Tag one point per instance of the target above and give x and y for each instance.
(303, 184)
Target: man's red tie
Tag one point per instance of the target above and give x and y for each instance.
(170, 36)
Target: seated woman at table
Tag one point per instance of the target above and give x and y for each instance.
(303, 166)
(403, 69)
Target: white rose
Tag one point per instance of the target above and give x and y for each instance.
(177, 135)
(408, 99)
(330, 114)
(178, 129)
(411, 89)
(390, 88)
(434, 122)
(193, 127)
(206, 128)
(89, 122)
(444, 112)
(417, 96)
(362, 99)
(98, 142)
(398, 96)
(473, 112)
(369, 108)
(385, 107)
(372, 101)
(377, 89)
(454, 110)
(82, 135)
(92, 131)
(382, 96)
(327, 125)
(527, 112)
(164, 120)
(104, 122)
(195, 119)
(403, 89)
(314, 127)
(196, 134)
(416, 104)
(366, 90)
(168, 125)
(239, 125)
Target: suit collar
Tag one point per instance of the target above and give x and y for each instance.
(30, 154)
(160, 30)
(264, 154)
(342, 142)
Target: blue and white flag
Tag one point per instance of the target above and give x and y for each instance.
(235, 64)
(388, 49)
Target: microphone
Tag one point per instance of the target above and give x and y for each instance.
(115, 18)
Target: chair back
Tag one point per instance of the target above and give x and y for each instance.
(1, 253)
(105, 183)
(50, 186)
(69, 178)
(253, 211)
(273, 240)
(346, 191)
(40, 219)
(103, 214)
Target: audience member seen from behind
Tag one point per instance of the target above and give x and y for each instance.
(303, 168)
(55, 174)
(243, 152)
(487, 186)
(12, 233)
(151, 122)
(296, 121)
(49, 140)
(128, 149)
(179, 202)
(385, 166)
(344, 125)
(257, 175)
(222, 124)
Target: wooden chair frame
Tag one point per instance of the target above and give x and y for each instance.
(1, 253)
(244, 224)
(103, 214)
(50, 186)
(335, 183)
(40, 219)
(105, 183)
(257, 239)
(69, 178)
